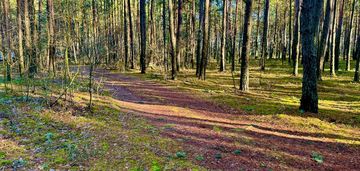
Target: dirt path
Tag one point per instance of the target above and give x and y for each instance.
(215, 137)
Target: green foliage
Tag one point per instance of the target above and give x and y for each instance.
(49, 138)
(155, 166)
(262, 164)
(18, 163)
(200, 158)
(3, 161)
(180, 154)
(237, 152)
(217, 129)
(218, 156)
(317, 157)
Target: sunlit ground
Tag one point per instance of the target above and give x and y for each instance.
(269, 132)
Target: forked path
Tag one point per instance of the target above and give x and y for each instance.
(216, 137)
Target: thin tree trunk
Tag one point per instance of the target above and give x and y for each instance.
(20, 39)
(51, 37)
(350, 32)
(7, 35)
(234, 37)
(131, 36)
(126, 36)
(193, 30)
(178, 35)
(332, 47)
(338, 34)
(324, 40)
(257, 29)
(295, 44)
(143, 36)
(172, 40)
(223, 37)
(290, 31)
(164, 38)
(264, 43)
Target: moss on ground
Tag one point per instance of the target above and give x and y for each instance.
(34, 136)
(275, 96)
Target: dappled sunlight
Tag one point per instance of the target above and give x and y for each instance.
(175, 113)
(12, 149)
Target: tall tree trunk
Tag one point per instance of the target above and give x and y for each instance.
(290, 31)
(7, 38)
(20, 39)
(51, 36)
(284, 40)
(172, 40)
(143, 36)
(205, 48)
(256, 44)
(152, 33)
(245, 55)
(357, 67)
(338, 34)
(193, 30)
(264, 41)
(324, 40)
(131, 36)
(28, 40)
(223, 37)
(332, 47)
(349, 33)
(357, 55)
(310, 15)
(295, 44)
(178, 34)
(234, 36)
(199, 38)
(126, 36)
(164, 38)
(39, 31)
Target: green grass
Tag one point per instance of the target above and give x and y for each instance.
(274, 91)
(34, 136)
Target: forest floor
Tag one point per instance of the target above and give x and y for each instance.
(143, 122)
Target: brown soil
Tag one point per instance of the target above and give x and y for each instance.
(210, 130)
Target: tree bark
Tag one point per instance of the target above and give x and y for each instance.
(324, 40)
(264, 43)
(338, 34)
(7, 38)
(233, 52)
(193, 30)
(126, 36)
(199, 38)
(310, 15)
(295, 44)
(164, 37)
(143, 36)
(20, 39)
(332, 47)
(223, 37)
(205, 48)
(178, 35)
(245, 55)
(51, 36)
(256, 44)
(172, 40)
(131, 36)
(349, 33)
